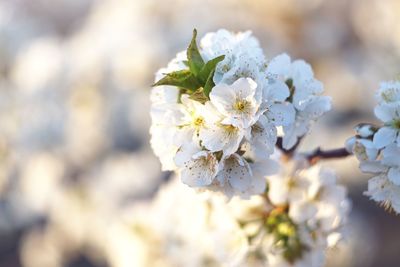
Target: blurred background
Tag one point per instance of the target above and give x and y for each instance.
(75, 78)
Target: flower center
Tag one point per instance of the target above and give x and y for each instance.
(396, 124)
(389, 95)
(291, 183)
(198, 121)
(241, 105)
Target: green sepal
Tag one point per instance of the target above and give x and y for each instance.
(209, 84)
(209, 67)
(182, 78)
(198, 79)
(195, 61)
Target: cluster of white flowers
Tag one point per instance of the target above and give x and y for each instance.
(217, 113)
(197, 230)
(219, 133)
(378, 148)
(305, 90)
(316, 211)
(292, 229)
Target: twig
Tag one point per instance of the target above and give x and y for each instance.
(287, 152)
(318, 154)
(315, 155)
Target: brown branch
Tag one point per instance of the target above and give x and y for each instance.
(319, 154)
(315, 155)
(287, 152)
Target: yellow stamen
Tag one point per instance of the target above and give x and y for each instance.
(198, 121)
(241, 105)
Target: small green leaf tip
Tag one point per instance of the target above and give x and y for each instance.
(181, 78)
(195, 60)
(197, 80)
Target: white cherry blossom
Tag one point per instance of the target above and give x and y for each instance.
(389, 114)
(243, 55)
(389, 92)
(262, 139)
(237, 102)
(235, 176)
(238, 177)
(194, 117)
(222, 137)
(165, 115)
(305, 90)
(378, 148)
(198, 168)
(312, 195)
(381, 190)
(275, 109)
(391, 159)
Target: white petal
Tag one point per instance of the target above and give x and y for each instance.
(300, 211)
(365, 130)
(394, 175)
(164, 94)
(281, 114)
(220, 137)
(277, 190)
(200, 171)
(318, 106)
(276, 90)
(349, 145)
(290, 137)
(370, 148)
(222, 97)
(389, 91)
(377, 188)
(279, 65)
(185, 153)
(301, 72)
(391, 155)
(244, 87)
(265, 167)
(163, 145)
(263, 138)
(237, 171)
(372, 166)
(258, 185)
(167, 114)
(384, 136)
(384, 112)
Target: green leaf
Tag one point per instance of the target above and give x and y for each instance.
(181, 78)
(199, 96)
(195, 60)
(209, 84)
(209, 67)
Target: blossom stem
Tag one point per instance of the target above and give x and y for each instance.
(318, 154)
(287, 152)
(315, 155)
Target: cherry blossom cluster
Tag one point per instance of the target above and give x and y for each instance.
(290, 229)
(378, 148)
(310, 213)
(227, 120)
(218, 109)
